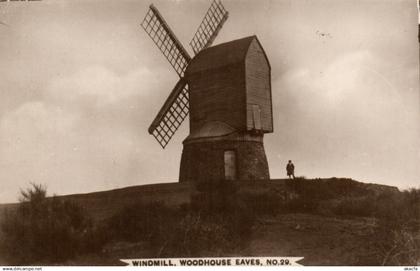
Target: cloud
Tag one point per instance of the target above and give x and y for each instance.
(349, 119)
(101, 87)
(351, 84)
(44, 143)
(103, 95)
(87, 133)
(30, 142)
(76, 98)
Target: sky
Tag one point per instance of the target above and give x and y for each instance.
(80, 82)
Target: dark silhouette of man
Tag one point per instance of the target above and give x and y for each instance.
(290, 168)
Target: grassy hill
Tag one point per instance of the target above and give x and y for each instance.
(103, 204)
(327, 221)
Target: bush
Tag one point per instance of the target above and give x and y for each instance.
(267, 203)
(397, 234)
(214, 223)
(45, 230)
(223, 221)
(328, 189)
(360, 206)
(214, 235)
(340, 196)
(215, 197)
(140, 222)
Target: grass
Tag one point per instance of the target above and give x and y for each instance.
(210, 219)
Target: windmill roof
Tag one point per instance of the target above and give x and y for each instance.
(228, 53)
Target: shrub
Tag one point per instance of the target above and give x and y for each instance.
(217, 221)
(267, 203)
(215, 197)
(322, 193)
(396, 239)
(140, 222)
(359, 206)
(45, 230)
(214, 223)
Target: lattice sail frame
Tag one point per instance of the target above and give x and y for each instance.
(171, 115)
(176, 107)
(159, 31)
(212, 22)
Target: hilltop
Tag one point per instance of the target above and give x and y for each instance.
(102, 204)
(327, 221)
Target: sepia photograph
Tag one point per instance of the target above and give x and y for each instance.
(209, 133)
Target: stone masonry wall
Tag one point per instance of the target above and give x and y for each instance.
(204, 160)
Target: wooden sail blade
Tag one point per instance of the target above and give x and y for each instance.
(161, 34)
(171, 115)
(210, 26)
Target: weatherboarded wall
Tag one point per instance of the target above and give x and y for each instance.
(258, 87)
(218, 96)
(230, 83)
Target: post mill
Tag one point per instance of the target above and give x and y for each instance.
(226, 89)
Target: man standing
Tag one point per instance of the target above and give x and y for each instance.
(290, 168)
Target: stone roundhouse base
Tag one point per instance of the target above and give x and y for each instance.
(204, 159)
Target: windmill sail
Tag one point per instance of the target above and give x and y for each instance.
(171, 115)
(210, 26)
(159, 31)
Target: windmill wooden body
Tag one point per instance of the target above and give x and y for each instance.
(226, 89)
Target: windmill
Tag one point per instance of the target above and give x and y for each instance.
(226, 89)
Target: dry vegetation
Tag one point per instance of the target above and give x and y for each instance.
(220, 219)
(45, 230)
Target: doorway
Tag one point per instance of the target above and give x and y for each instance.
(230, 164)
